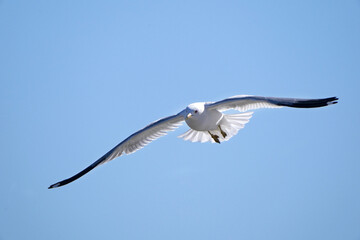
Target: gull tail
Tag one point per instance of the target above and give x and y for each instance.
(230, 124)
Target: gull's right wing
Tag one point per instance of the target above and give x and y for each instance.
(131, 144)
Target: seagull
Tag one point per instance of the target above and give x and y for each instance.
(207, 122)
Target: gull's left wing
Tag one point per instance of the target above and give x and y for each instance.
(133, 143)
(244, 103)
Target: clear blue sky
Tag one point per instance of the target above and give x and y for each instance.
(77, 77)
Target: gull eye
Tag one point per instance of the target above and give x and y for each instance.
(196, 111)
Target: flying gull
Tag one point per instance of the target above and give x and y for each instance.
(207, 123)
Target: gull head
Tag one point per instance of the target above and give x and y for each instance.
(194, 110)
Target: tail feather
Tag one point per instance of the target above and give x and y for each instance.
(230, 124)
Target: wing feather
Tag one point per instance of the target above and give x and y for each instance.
(244, 103)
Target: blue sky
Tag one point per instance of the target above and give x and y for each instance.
(77, 77)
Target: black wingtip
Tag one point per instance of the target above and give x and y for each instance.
(54, 185)
(333, 100)
(76, 176)
(309, 103)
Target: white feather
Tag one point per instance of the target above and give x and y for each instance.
(144, 136)
(242, 103)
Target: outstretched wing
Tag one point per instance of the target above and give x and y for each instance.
(244, 103)
(131, 144)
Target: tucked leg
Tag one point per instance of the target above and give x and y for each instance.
(222, 132)
(215, 137)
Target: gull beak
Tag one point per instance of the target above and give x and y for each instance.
(188, 116)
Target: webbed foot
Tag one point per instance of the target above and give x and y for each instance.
(215, 137)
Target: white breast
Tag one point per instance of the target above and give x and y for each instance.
(205, 121)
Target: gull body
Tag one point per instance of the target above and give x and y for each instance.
(207, 122)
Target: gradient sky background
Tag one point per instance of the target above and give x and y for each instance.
(77, 77)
